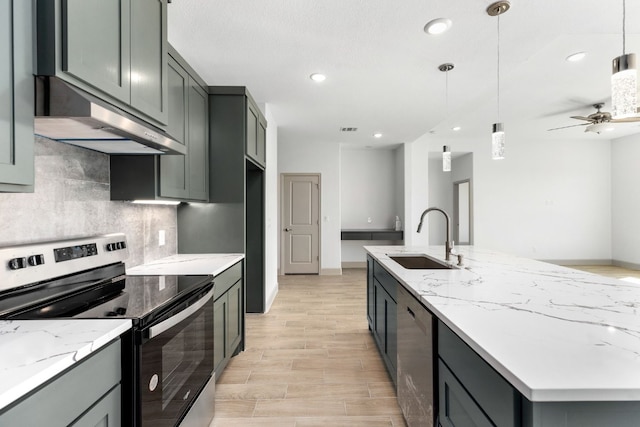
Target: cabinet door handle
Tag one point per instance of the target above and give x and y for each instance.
(411, 313)
(287, 229)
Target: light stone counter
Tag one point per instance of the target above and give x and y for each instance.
(34, 351)
(185, 264)
(555, 333)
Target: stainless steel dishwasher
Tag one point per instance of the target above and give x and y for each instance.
(416, 370)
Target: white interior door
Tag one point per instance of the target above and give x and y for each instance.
(300, 224)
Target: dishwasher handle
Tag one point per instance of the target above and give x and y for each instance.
(411, 313)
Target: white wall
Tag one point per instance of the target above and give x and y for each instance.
(547, 200)
(416, 191)
(271, 209)
(368, 187)
(300, 157)
(625, 200)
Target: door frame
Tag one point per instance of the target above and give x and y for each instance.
(456, 214)
(281, 254)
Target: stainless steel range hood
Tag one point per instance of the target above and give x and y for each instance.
(68, 114)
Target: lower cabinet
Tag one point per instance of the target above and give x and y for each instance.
(87, 394)
(457, 407)
(472, 393)
(228, 317)
(383, 287)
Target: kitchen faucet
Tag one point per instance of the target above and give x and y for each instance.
(448, 244)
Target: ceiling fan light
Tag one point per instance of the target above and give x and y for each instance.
(624, 87)
(599, 127)
(497, 141)
(446, 159)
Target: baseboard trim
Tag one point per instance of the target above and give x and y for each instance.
(271, 298)
(625, 264)
(331, 272)
(570, 262)
(354, 264)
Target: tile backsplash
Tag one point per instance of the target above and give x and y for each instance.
(71, 199)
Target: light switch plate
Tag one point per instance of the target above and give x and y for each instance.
(161, 238)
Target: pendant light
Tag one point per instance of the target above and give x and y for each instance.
(624, 80)
(446, 151)
(446, 158)
(497, 131)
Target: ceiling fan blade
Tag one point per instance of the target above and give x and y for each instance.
(626, 120)
(570, 126)
(581, 118)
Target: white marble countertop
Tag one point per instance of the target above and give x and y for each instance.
(34, 351)
(185, 264)
(555, 333)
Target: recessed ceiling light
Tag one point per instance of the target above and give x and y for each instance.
(317, 77)
(377, 135)
(456, 128)
(437, 26)
(575, 57)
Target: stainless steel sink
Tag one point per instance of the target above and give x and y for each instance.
(420, 262)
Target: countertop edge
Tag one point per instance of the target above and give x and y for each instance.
(186, 264)
(63, 362)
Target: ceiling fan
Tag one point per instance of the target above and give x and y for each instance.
(599, 121)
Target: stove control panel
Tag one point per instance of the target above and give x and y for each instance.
(75, 252)
(36, 262)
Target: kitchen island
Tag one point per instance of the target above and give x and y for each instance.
(567, 341)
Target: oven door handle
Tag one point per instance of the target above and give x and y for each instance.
(163, 326)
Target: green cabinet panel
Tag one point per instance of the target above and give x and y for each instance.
(198, 148)
(262, 141)
(89, 382)
(252, 131)
(92, 23)
(236, 317)
(220, 309)
(457, 407)
(113, 49)
(171, 177)
(228, 316)
(382, 308)
(106, 413)
(149, 58)
(371, 308)
(16, 103)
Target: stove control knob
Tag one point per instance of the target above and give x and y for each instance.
(111, 247)
(121, 311)
(17, 263)
(34, 260)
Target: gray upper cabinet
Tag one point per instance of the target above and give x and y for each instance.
(114, 49)
(149, 58)
(237, 126)
(172, 177)
(16, 102)
(256, 133)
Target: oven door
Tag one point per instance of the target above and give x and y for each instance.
(176, 361)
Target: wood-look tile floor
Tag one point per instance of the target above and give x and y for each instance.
(311, 361)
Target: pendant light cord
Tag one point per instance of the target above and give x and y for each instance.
(624, 16)
(498, 71)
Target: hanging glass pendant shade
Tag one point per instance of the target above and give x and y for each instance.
(624, 79)
(446, 159)
(497, 141)
(624, 87)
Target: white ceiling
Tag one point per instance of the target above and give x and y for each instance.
(382, 69)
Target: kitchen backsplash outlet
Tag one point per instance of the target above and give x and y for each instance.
(72, 199)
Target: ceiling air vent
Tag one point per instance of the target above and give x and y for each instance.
(348, 129)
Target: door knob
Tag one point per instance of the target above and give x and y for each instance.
(287, 229)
